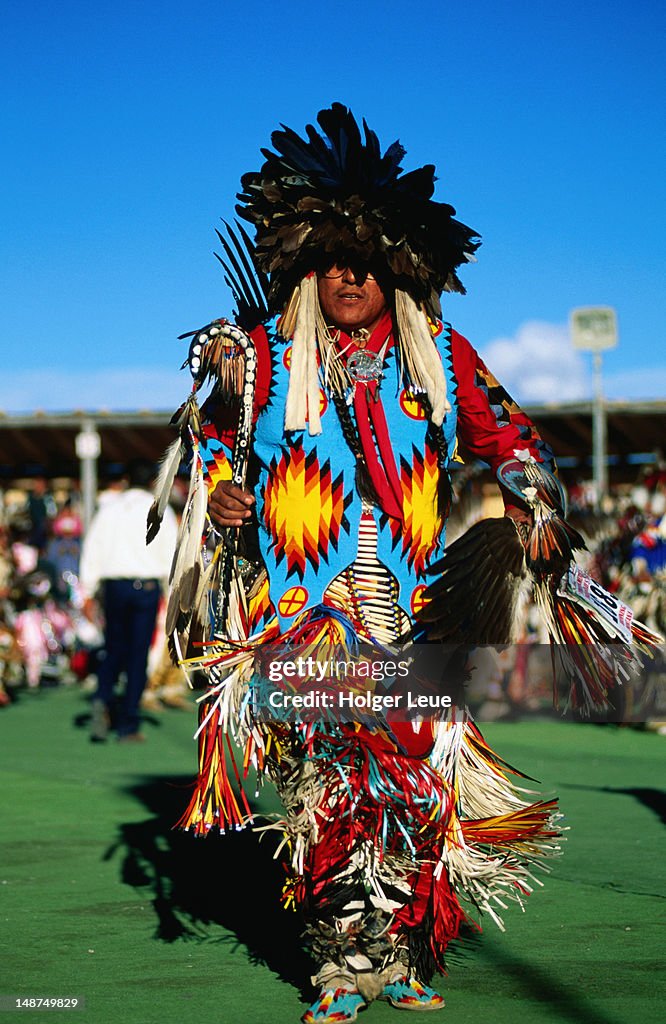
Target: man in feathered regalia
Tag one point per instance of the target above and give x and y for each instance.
(320, 466)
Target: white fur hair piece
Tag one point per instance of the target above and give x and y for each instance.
(420, 356)
(303, 393)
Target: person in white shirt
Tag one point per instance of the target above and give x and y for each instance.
(127, 577)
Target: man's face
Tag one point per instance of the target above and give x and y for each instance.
(348, 304)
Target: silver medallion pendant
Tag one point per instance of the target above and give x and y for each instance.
(364, 367)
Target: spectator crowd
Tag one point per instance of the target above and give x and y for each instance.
(51, 627)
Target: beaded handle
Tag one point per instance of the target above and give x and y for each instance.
(208, 357)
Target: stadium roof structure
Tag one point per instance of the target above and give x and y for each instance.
(635, 429)
(45, 443)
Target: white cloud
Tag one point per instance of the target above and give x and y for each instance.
(58, 390)
(539, 364)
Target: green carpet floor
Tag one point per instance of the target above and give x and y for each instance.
(101, 899)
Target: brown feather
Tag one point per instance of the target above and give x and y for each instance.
(480, 576)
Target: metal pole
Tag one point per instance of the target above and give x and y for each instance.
(599, 433)
(88, 490)
(88, 450)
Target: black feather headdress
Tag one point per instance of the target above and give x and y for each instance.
(334, 196)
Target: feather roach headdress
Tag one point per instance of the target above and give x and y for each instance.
(334, 195)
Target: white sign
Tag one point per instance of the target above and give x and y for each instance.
(594, 328)
(88, 444)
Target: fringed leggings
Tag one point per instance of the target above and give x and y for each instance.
(373, 905)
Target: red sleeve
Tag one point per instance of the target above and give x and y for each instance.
(490, 424)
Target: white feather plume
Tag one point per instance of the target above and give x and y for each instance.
(162, 491)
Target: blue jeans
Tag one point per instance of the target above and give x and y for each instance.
(130, 611)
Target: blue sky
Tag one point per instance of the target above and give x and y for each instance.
(128, 125)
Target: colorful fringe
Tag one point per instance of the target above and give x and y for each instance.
(391, 844)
